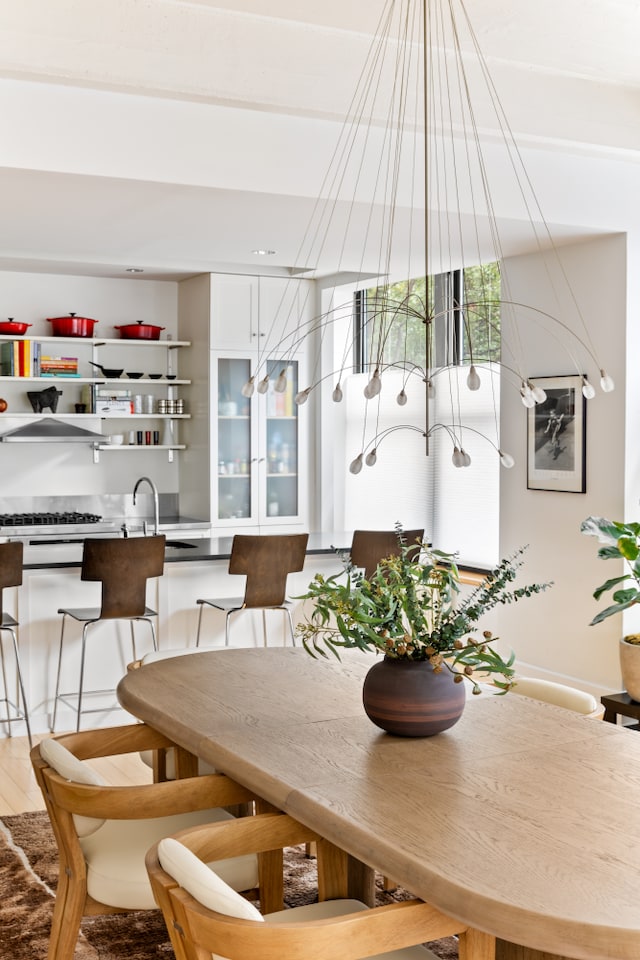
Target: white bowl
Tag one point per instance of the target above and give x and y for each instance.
(116, 438)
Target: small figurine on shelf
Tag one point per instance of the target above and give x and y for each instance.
(40, 399)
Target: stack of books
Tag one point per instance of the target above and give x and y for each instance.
(19, 358)
(59, 367)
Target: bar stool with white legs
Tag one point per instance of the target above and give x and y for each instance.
(11, 576)
(123, 565)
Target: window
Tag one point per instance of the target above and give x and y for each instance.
(459, 507)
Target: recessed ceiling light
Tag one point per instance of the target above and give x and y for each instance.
(135, 270)
(263, 253)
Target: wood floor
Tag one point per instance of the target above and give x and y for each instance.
(19, 791)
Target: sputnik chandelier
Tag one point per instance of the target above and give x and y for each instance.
(414, 170)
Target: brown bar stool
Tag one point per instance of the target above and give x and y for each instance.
(266, 561)
(123, 565)
(369, 547)
(11, 576)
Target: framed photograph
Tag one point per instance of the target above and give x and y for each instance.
(556, 437)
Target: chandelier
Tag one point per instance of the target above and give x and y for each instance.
(422, 151)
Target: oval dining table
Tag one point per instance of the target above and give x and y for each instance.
(522, 820)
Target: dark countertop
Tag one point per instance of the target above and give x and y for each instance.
(47, 556)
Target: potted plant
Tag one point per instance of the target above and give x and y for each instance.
(410, 612)
(621, 541)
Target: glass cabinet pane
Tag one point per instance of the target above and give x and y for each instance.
(282, 440)
(234, 440)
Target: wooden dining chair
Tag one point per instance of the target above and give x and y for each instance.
(11, 554)
(204, 916)
(266, 561)
(103, 831)
(122, 565)
(369, 547)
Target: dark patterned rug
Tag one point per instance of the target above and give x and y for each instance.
(28, 878)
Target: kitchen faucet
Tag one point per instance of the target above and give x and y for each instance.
(156, 509)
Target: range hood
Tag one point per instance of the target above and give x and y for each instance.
(51, 430)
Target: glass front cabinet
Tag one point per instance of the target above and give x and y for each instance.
(257, 445)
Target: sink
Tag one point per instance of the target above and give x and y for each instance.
(180, 545)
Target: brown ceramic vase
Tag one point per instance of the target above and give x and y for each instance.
(408, 699)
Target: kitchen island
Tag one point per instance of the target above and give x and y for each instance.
(49, 554)
(196, 567)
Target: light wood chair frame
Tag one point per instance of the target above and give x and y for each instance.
(11, 556)
(65, 798)
(266, 560)
(196, 932)
(122, 565)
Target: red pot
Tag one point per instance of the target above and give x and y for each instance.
(140, 331)
(72, 326)
(13, 328)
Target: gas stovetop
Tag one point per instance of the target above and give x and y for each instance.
(50, 524)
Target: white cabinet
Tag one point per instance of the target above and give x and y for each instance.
(234, 313)
(259, 446)
(262, 314)
(248, 466)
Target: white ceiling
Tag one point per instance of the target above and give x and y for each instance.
(180, 135)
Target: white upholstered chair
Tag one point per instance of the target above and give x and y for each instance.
(206, 918)
(560, 694)
(103, 831)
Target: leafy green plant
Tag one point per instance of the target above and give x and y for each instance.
(410, 609)
(621, 541)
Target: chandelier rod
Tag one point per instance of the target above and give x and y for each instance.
(427, 314)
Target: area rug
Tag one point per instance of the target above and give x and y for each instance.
(28, 878)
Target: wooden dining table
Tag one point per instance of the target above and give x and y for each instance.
(522, 820)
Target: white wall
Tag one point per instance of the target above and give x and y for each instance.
(551, 634)
(68, 469)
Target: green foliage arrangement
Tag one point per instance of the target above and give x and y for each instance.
(621, 542)
(409, 609)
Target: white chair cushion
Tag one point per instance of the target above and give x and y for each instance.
(115, 854)
(338, 908)
(202, 882)
(75, 771)
(556, 693)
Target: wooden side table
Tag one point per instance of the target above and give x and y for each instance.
(621, 704)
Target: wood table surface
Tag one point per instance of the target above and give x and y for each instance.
(522, 820)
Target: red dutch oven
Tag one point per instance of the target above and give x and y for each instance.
(72, 326)
(140, 331)
(13, 327)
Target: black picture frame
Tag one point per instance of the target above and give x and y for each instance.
(557, 437)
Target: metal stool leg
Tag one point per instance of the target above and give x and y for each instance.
(264, 627)
(293, 635)
(154, 642)
(25, 708)
(85, 627)
(6, 688)
(133, 641)
(57, 693)
(201, 604)
(226, 627)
